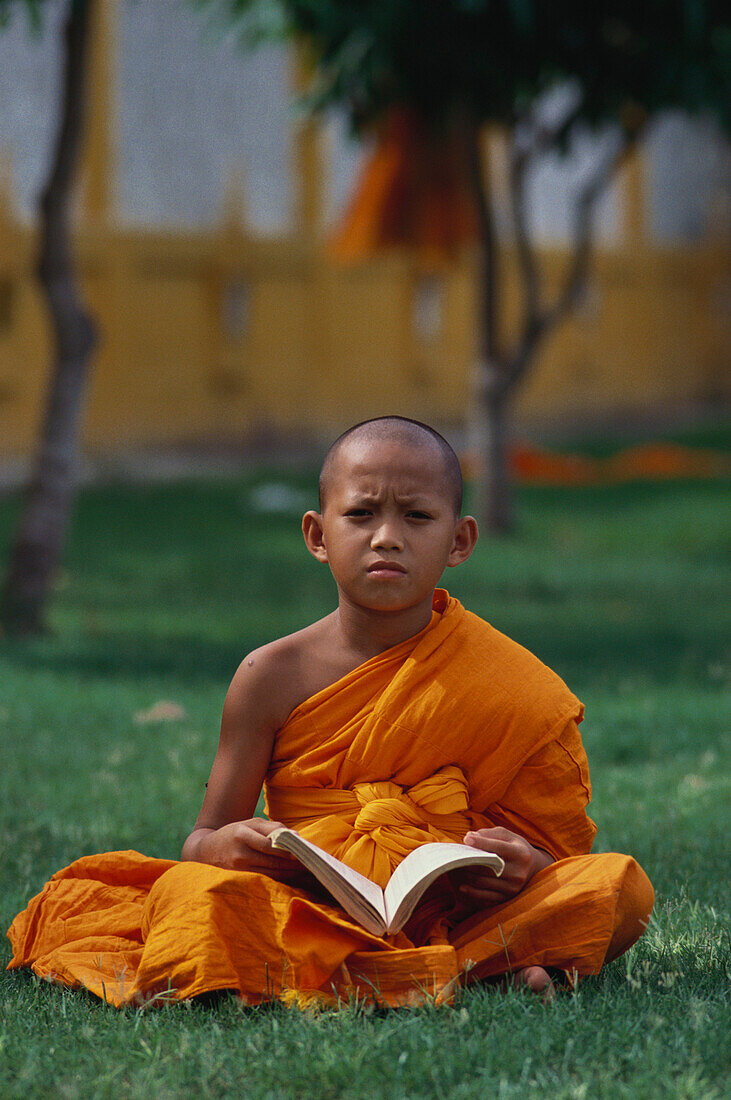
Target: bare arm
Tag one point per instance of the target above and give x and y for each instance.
(226, 833)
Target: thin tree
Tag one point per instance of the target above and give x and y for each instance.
(40, 535)
(453, 67)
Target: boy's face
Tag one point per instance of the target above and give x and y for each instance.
(388, 527)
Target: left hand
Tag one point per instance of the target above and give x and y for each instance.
(522, 862)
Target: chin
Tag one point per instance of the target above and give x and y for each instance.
(392, 601)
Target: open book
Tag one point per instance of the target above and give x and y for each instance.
(380, 911)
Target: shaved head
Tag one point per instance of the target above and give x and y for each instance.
(411, 433)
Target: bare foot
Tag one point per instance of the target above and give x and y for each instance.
(537, 980)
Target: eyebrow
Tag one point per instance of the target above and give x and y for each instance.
(372, 498)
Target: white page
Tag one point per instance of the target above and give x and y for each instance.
(425, 864)
(369, 890)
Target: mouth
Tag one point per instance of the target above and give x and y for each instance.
(386, 569)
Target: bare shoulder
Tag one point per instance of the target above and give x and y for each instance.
(273, 680)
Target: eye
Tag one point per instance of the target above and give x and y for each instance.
(358, 513)
(415, 514)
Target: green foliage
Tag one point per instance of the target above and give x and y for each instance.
(623, 590)
(492, 58)
(33, 9)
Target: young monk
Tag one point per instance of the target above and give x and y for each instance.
(398, 719)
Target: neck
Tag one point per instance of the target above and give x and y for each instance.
(369, 632)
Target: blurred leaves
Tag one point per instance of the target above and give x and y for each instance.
(32, 9)
(494, 57)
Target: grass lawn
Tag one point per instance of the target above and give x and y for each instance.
(622, 590)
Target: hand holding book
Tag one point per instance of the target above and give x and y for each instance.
(522, 861)
(384, 911)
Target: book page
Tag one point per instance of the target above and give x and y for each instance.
(422, 867)
(356, 893)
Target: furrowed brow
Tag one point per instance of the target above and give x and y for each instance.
(415, 500)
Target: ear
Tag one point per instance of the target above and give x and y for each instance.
(465, 538)
(314, 535)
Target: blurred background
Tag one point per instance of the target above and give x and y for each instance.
(204, 203)
(231, 228)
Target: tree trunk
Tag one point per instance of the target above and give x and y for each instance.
(41, 531)
(500, 372)
(491, 391)
(497, 505)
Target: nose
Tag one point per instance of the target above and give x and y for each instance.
(387, 536)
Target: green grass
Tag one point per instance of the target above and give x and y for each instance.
(622, 590)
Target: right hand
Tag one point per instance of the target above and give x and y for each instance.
(245, 846)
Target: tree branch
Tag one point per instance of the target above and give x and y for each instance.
(524, 248)
(578, 269)
(533, 135)
(481, 190)
(538, 322)
(55, 198)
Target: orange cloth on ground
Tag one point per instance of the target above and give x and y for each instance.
(456, 728)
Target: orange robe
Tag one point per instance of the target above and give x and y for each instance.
(457, 728)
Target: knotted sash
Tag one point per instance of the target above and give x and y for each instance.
(374, 825)
(419, 743)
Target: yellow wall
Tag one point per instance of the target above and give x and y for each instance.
(216, 335)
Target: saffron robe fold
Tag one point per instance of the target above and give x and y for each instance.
(457, 728)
